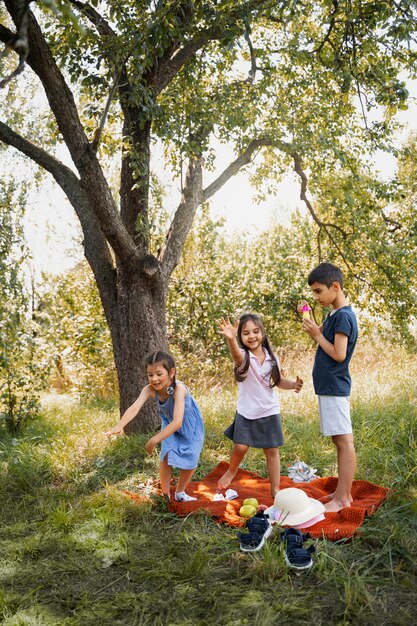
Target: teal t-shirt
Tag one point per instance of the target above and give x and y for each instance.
(331, 378)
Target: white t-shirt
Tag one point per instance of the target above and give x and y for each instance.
(256, 398)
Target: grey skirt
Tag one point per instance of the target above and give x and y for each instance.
(264, 432)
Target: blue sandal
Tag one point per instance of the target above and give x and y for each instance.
(296, 556)
(259, 530)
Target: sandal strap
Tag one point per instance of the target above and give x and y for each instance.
(291, 534)
(300, 555)
(256, 531)
(294, 532)
(294, 540)
(256, 526)
(252, 539)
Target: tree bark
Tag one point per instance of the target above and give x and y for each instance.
(140, 330)
(132, 283)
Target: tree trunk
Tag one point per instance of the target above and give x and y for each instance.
(134, 292)
(139, 329)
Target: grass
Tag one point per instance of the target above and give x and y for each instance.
(75, 551)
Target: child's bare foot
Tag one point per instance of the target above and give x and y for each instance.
(226, 479)
(331, 496)
(334, 506)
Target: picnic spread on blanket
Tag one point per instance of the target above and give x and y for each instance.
(367, 497)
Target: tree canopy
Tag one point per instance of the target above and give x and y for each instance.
(292, 84)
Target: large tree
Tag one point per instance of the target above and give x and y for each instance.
(287, 80)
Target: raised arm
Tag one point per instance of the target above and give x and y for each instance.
(229, 330)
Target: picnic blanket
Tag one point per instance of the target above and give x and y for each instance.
(367, 497)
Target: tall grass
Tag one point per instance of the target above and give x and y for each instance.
(76, 551)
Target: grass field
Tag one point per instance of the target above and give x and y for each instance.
(75, 551)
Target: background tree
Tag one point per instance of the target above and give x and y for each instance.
(220, 275)
(173, 70)
(22, 372)
(74, 333)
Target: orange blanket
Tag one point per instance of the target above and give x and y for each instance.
(366, 498)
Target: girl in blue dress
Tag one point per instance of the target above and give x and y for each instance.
(182, 431)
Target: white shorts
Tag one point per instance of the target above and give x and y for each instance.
(335, 415)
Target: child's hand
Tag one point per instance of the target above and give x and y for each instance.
(228, 329)
(116, 431)
(298, 384)
(310, 327)
(150, 446)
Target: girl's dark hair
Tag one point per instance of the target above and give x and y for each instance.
(241, 370)
(164, 358)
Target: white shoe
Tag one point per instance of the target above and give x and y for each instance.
(183, 497)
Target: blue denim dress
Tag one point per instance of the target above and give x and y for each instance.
(184, 446)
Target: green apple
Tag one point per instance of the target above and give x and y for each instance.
(247, 511)
(251, 502)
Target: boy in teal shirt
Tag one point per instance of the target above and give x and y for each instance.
(336, 339)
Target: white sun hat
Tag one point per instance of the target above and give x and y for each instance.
(293, 506)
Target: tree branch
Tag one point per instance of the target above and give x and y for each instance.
(100, 128)
(303, 196)
(96, 248)
(61, 101)
(168, 70)
(168, 67)
(393, 223)
(98, 21)
(325, 226)
(192, 197)
(355, 63)
(18, 42)
(253, 66)
(40, 156)
(234, 168)
(120, 79)
(329, 30)
(247, 156)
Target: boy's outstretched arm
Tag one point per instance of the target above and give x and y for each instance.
(336, 351)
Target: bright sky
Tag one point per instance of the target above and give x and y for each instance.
(53, 232)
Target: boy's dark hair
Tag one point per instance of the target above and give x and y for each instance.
(241, 370)
(326, 274)
(164, 358)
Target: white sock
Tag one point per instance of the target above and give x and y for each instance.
(181, 496)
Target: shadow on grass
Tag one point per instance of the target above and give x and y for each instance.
(120, 563)
(76, 551)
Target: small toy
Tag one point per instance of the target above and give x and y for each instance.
(305, 311)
